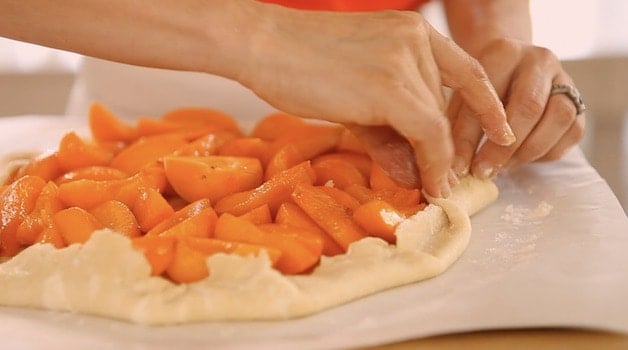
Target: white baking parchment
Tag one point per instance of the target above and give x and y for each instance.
(551, 252)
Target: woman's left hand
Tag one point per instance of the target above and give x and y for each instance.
(545, 124)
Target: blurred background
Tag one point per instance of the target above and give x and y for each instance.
(589, 36)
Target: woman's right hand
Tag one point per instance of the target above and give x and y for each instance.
(374, 70)
(370, 69)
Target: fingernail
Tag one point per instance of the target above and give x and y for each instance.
(509, 136)
(484, 170)
(460, 166)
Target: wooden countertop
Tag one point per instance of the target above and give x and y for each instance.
(518, 339)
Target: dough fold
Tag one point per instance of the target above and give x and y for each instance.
(107, 277)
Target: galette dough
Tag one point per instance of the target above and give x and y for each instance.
(107, 277)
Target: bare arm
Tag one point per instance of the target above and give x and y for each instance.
(197, 35)
(375, 69)
(475, 23)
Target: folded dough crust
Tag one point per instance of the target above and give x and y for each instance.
(107, 277)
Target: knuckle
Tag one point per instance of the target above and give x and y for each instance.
(410, 20)
(544, 55)
(411, 32)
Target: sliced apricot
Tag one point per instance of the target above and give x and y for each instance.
(206, 145)
(117, 216)
(180, 215)
(150, 208)
(212, 177)
(341, 197)
(147, 127)
(188, 264)
(338, 172)
(31, 229)
(106, 126)
(201, 224)
(76, 153)
(332, 217)
(302, 145)
(158, 250)
(203, 116)
(16, 202)
(361, 162)
(296, 255)
(272, 192)
(75, 224)
(407, 201)
(45, 166)
(210, 246)
(94, 172)
(259, 215)
(50, 235)
(276, 125)
(145, 151)
(350, 143)
(379, 219)
(291, 214)
(87, 193)
(247, 147)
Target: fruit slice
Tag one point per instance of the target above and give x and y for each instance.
(16, 202)
(272, 192)
(297, 255)
(212, 177)
(328, 214)
(146, 150)
(379, 219)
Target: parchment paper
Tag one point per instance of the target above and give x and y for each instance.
(551, 252)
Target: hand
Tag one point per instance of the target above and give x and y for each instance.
(373, 69)
(545, 125)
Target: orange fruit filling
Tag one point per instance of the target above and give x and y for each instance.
(191, 184)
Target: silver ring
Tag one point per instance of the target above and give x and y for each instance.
(572, 93)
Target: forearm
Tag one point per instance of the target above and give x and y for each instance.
(196, 35)
(475, 23)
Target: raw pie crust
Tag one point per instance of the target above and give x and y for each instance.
(107, 277)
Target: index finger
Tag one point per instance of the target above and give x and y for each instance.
(433, 148)
(464, 74)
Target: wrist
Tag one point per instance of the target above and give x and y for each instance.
(224, 36)
(264, 47)
(476, 24)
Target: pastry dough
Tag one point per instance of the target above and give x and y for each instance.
(107, 277)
